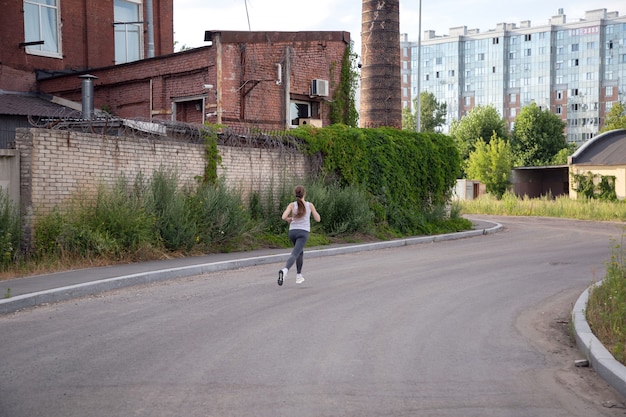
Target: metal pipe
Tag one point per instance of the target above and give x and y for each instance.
(418, 114)
(87, 95)
(150, 20)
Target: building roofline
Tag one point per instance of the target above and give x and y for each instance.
(231, 36)
(594, 141)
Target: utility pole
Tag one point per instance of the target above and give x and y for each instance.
(418, 115)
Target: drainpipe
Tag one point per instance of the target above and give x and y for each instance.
(287, 86)
(87, 95)
(217, 42)
(150, 20)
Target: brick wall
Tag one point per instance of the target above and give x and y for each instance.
(86, 34)
(249, 95)
(56, 166)
(142, 89)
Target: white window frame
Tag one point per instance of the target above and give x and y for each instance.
(124, 30)
(36, 30)
(295, 106)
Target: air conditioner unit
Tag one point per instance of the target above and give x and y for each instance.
(309, 121)
(319, 88)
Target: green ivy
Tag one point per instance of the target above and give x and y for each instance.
(595, 186)
(407, 175)
(211, 154)
(343, 107)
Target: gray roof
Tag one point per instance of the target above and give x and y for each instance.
(24, 104)
(608, 148)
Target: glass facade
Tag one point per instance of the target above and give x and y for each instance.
(577, 70)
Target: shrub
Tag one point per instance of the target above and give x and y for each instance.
(344, 210)
(219, 215)
(173, 220)
(10, 230)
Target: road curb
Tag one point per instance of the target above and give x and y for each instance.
(20, 302)
(600, 359)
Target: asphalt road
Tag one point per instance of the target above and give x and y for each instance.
(454, 328)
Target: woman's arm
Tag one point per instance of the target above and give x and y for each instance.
(286, 214)
(314, 212)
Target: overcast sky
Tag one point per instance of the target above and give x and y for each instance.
(193, 17)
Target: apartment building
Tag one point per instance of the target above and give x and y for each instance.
(576, 69)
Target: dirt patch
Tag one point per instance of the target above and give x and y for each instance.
(548, 327)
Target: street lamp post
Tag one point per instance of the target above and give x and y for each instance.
(418, 114)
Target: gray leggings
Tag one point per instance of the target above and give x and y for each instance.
(298, 237)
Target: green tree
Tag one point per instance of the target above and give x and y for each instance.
(537, 137)
(491, 164)
(615, 118)
(432, 114)
(482, 122)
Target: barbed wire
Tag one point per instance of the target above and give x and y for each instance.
(158, 129)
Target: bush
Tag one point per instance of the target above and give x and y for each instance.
(10, 230)
(344, 210)
(219, 215)
(173, 219)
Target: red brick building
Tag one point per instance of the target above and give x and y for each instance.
(269, 80)
(40, 38)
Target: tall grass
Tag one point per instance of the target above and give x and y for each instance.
(155, 218)
(606, 307)
(562, 206)
(10, 230)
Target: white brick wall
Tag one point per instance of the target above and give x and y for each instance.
(58, 165)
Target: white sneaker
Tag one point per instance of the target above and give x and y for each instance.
(282, 274)
(299, 279)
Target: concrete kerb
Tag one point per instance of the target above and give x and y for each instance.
(20, 302)
(600, 359)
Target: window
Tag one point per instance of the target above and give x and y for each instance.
(299, 110)
(574, 91)
(512, 98)
(495, 41)
(437, 74)
(589, 76)
(426, 77)
(128, 31)
(559, 95)
(527, 37)
(527, 52)
(451, 73)
(512, 112)
(438, 61)
(574, 62)
(609, 45)
(559, 109)
(41, 26)
(405, 51)
(480, 57)
(511, 55)
(574, 47)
